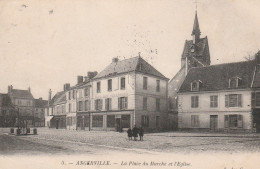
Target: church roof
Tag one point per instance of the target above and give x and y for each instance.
(196, 27)
(200, 48)
(216, 77)
(137, 64)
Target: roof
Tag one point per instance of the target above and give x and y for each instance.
(137, 64)
(216, 77)
(196, 27)
(41, 103)
(22, 94)
(58, 98)
(200, 48)
(5, 100)
(256, 81)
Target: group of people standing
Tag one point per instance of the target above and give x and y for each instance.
(135, 132)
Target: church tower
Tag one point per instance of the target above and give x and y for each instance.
(196, 51)
(195, 54)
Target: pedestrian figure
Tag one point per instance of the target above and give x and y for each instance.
(129, 133)
(135, 133)
(141, 133)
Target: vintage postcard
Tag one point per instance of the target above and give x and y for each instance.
(110, 84)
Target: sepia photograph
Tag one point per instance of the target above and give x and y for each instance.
(110, 84)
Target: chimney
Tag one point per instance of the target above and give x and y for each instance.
(114, 60)
(66, 86)
(40, 98)
(29, 89)
(92, 74)
(80, 79)
(86, 78)
(10, 88)
(257, 57)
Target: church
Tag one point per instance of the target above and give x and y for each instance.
(195, 54)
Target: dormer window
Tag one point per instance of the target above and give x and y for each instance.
(235, 82)
(195, 85)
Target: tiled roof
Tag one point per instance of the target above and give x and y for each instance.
(5, 100)
(200, 48)
(256, 82)
(137, 64)
(22, 94)
(41, 103)
(216, 77)
(58, 98)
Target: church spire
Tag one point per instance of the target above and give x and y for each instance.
(196, 29)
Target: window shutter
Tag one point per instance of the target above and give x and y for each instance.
(126, 103)
(253, 100)
(239, 100)
(101, 104)
(226, 101)
(119, 103)
(226, 121)
(240, 121)
(106, 104)
(89, 105)
(96, 105)
(110, 104)
(197, 101)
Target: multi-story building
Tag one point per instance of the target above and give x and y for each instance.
(56, 112)
(127, 93)
(78, 102)
(219, 97)
(195, 54)
(8, 115)
(39, 112)
(23, 102)
(256, 95)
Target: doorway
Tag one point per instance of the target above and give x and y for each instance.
(213, 122)
(118, 124)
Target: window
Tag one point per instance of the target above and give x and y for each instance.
(108, 103)
(157, 104)
(145, 121)
(145, 83)
(158, 85)
(233, 100)
(74, 94)
(80, 106)
(122, 80)
(233, 121)
(255, 99)
(98, 104)
(87, 105)
(97, 121)
(213, 101)
(98, 87)
(69, 107)
(122, 103)
(195, 121)
(87, 91)
(194, 86)
(194, 101)
(235, 82)
(145, 103)
(109, 85)
(80, 93)
(110, 120)
(69, 95)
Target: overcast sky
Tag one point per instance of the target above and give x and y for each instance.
(44, 44)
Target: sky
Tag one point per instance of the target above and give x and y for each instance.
(45, 44)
